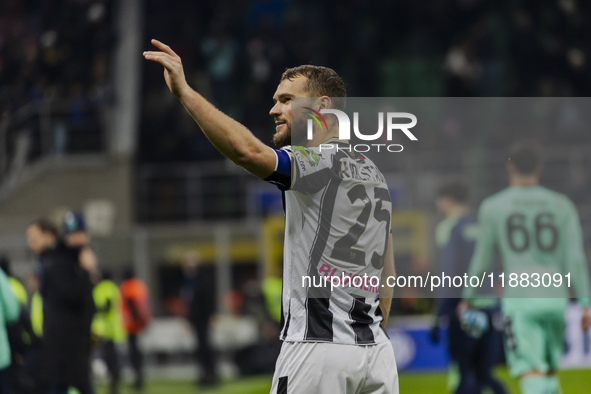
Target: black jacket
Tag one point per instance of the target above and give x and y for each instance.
(68, 309)
(203, 302)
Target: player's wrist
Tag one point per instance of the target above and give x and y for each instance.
(183, 92)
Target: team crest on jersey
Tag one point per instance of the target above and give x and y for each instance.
(310, 156)
(356, 156)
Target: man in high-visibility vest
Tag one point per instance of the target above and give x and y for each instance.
(108, 325)
(36, 306)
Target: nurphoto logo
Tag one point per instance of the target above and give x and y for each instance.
(345, 129)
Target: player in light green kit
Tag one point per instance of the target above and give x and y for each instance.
(538, 235)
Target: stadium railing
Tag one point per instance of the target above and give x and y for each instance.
(47, 129)
(218, 190)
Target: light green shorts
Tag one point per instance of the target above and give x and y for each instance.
(534, 341)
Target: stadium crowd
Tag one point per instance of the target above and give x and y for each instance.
(236, 51)
(56, 53)
(61, 51)
(450, 48)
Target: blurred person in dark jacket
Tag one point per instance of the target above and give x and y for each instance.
(200, 292)
(42, 236)
(68, 308)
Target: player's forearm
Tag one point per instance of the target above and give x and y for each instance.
(576, 266)
(229, 137)
(582, 285)
(485, 244)
(385, 305)
(232, 139)
(575, 259)
(386, 292)
(480, 263)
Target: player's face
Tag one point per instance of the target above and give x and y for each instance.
(281, 111)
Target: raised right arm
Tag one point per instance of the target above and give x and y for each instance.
(228, 136)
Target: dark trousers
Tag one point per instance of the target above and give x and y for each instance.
(136, 359)
(475, 358)
(205, 354)
(4, 387)
(111, 357)
(32, 369)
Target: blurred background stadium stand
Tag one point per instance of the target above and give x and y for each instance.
(86, 124)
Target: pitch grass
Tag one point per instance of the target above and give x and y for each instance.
(573, 382)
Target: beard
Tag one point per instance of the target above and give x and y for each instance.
(295, 133)
(282, 139)
(287, 138)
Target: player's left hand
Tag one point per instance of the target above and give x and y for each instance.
(174, 75)
(586, 320)
(474, 322)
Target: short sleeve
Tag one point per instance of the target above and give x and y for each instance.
(312, 168)
(308, 170)
(282, 174)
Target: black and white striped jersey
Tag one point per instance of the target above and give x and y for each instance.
(338, 213)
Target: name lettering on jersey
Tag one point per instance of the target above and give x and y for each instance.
(360, 171)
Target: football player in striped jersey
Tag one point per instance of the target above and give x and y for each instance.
(338, 212)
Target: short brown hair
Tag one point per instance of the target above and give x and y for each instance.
(526, 156)
(455, 190)
(46, 226)
(322, 81)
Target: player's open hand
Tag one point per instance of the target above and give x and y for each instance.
(173, 67)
